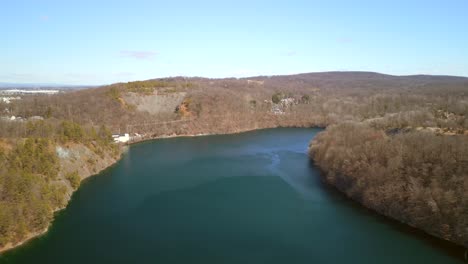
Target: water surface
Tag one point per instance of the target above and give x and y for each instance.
(245, 198)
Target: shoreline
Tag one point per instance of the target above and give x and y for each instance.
(456, 250)
(215, 134)
(342, 187)
(29, 236)
(190, 135)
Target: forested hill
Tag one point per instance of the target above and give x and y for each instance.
(223, 105)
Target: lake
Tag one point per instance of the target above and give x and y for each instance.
(247, 198)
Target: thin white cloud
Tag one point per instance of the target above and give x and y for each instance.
(138, 54)
(345, 40)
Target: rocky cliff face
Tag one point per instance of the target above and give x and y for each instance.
(80, 159)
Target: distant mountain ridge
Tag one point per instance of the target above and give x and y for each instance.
(364, 75)
(318, 76)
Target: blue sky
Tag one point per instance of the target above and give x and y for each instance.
(100, 42)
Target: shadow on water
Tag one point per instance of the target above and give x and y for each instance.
(448, 248)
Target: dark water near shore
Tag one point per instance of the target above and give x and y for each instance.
(246, 198)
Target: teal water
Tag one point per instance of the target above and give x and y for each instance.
(245, 198)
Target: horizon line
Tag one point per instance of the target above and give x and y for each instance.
(58, 85)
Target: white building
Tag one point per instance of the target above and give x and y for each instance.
(121, 138)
